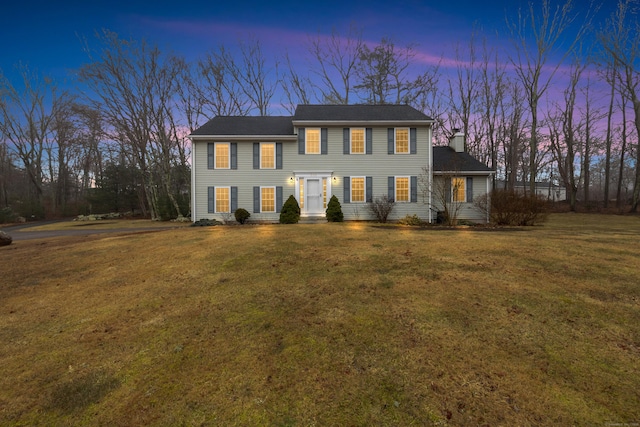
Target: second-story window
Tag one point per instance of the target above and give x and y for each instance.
(267, 155)
(222, 155)
(402, 141)
(313, 141)
(357, 141)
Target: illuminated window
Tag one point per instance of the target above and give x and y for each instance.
(268, 199)
(222, 155)
(268, 155)
(402, 189)
(357, 190)
(301, 201)
(402, 141)
(222, 199)
(324, 193)
(357, 141)
(313, 141)
(458, 189)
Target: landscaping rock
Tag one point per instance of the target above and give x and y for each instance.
(5, 239)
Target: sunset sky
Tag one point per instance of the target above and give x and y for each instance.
(46, 35)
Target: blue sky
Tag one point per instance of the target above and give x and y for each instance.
(46, 35)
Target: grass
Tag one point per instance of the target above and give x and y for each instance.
(107, 225)
(325, 324)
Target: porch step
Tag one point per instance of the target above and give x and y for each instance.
(312, 220)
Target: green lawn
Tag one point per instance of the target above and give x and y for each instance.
(325, 324)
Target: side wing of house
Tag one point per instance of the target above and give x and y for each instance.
(460, 182)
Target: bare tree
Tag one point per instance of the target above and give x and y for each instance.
(621, 40)
(26, 122)
(336, 58)
(537, 36)
(298, 89)
(135, 86)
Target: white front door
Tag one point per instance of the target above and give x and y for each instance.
(314, 196)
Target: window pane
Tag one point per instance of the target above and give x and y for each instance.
(458, 189)
(267, 156)
(222, 200)
(402, 189)
(313, 141)
(324, 193)
(357, 189)
(222, 156)
(268, 200)
(357, 141)
(301, 201)
(402, 140)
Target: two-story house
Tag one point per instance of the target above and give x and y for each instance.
(356, 152)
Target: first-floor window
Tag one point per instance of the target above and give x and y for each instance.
(357, 189)
(267, 199)
(458, 189)
(402, 189)
(301, 202)
(223, 203)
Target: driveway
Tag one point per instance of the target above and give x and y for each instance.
(22, 232)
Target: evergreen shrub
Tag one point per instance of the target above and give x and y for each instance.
(334, 210)
(290, 213)
(242, 215)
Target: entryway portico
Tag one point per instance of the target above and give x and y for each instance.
(313, 191)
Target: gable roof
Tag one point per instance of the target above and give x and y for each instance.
(246, 125)
(446, 159)
(385, 113)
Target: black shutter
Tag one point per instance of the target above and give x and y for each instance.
(369, 189)
(278, 199)
(211, 199)
(390, 140)
(469, 189)
(347, 189)
(256, 155)
(301, 141)
(234, 199)
(414, 189)
(447, 190)
(210, 155)
(392, 188)
(413, 141)
(256, 199)
(278, 155)
(346, 141)
(233, 147)
(324, 149)
(369, 140)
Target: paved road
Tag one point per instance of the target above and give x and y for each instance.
(21, 231)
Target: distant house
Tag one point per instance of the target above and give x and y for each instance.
(549, 190)
(356, 152)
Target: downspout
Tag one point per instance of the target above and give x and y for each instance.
(193, 181)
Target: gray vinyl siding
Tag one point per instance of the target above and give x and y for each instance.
(379, 165)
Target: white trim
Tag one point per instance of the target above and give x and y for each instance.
(361, 123)
(395, 189)
(364, 189)
(215, 155)
(194, 207)
(248, 138)
(275, 208)
(364, 140)
(215, 198)
(274, 155)
(395, 140)
(303, 176)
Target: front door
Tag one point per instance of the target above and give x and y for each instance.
(314, 196)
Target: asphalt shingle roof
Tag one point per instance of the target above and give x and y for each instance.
(446, 159)
(246, 125)
(307, 112)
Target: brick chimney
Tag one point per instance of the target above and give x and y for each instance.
(457, 141)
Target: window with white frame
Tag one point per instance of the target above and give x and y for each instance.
(458, 190)
(222, 155)
(267, 155)
(403, 193)
(402, 141)
(357, 141)
(223, 199)
(358, 189)
(267, 199)
(312, 141)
